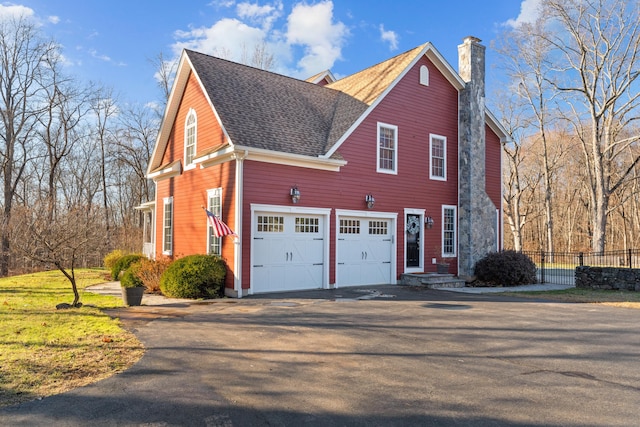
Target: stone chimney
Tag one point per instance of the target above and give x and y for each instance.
(476, 212)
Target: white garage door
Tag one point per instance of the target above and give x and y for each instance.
(288, 252)
(364, 251)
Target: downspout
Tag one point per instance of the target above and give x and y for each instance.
(237, 250)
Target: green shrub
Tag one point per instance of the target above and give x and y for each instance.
(131, 276)
(112, 257)
(194, 276)
(123, 263)
(506, 268)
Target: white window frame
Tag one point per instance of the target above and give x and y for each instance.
(167, 231)
(432, 176)
(394, 128)
(214, 242)
(454, 209)
(424, 75)
(188, 159)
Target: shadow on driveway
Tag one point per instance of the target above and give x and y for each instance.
(365, 356)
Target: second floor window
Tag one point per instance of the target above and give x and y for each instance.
(438, 157)
(190, 137)
(387, 148)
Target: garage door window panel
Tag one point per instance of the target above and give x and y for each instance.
(271, 224)
(307, 225)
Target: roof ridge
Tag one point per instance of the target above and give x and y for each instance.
(251, 67)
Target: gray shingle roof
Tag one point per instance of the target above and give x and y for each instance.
(261, 109)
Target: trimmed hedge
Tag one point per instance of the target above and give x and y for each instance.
(123, 263)
(131, 276)
(506, 268)
(194, 276)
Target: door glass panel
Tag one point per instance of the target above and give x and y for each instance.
(412, 238)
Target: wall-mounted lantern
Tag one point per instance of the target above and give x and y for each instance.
(428, 221)
(295, 194)
(369, 200)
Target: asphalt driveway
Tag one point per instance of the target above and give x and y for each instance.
(373, 356)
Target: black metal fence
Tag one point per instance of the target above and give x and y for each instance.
(559, 267)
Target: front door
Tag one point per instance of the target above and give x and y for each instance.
(412, 239)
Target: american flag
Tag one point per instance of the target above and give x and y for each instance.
(219, 228)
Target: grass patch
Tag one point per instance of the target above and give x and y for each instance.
(625, 299)
(44, 351)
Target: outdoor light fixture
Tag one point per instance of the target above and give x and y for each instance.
(369, 200)
(295, 194)
(428, 221)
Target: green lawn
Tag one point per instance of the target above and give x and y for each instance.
(44, 351)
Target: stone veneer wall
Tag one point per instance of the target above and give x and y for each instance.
(627, 279)
(476, 212)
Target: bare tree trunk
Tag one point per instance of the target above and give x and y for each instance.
(23, 58)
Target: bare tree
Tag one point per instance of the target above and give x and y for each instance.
(105, 109)
(137, 136)
(597, 43)
(164, 75)
(60, 127)
(58, 243)
(24, 56)
(517, 190)
(260, 57)
(527, 63)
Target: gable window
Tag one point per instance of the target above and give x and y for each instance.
(387, 148)
(424, 75)
(190, 139)
(167, 226)
(438, 157)
(449, 230)
(214, 198)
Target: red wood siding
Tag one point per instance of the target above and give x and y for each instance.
(493, 166)
(189, 190)
(417, 111)
(210, 133)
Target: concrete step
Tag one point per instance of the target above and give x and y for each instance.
(432, 280)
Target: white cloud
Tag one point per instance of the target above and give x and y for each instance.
(312, 27)
(14, 10)
(254, 10)
(390, 37)
(223, 3)
(99, 56)
(53, 19)
(309, 28)
(264, 16)
(226, 38)
(529, 12)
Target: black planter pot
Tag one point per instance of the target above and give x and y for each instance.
(132, 296)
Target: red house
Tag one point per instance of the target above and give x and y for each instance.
(329, 183)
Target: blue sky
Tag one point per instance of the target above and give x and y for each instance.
(112, 42)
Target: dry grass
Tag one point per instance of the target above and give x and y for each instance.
(44, 351)
(623, 299)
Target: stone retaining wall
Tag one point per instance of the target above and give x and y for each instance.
(627, 279)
